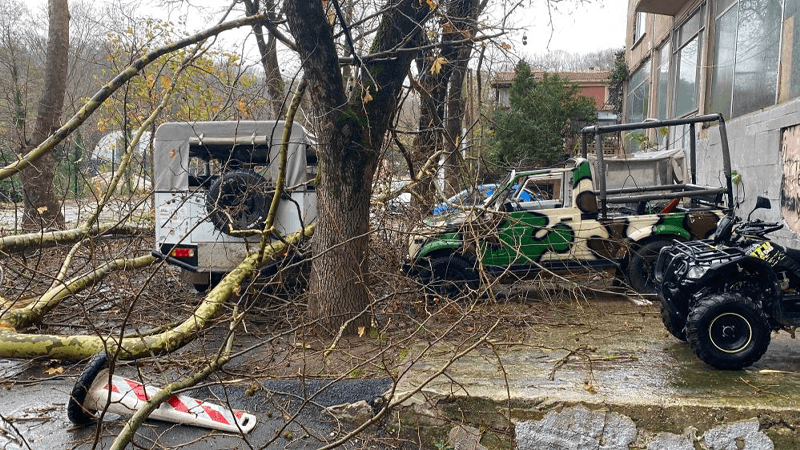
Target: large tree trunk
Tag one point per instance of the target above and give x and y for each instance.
(350, 134)
(42, 209)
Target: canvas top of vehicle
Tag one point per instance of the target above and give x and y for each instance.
(571, 223)
(214, 183)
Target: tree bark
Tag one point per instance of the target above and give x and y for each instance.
(465, 25)
(269, 57)
(42, 209)
(350, 134)
(436, 68)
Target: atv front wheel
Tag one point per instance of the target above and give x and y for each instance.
(728, 331)
(450, 275)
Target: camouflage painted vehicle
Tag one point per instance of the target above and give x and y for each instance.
(569, 223)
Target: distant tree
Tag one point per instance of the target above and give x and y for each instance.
(561, 61)
(617, 82)
(544, 114)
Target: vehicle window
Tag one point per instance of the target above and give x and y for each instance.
(542, 189)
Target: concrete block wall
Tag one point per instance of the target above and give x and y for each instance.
(755, 146)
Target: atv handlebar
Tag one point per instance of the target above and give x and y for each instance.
(757, 228)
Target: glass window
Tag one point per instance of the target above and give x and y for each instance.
(638, 27)
(755, 78)
(638, 93)
(687, 64)
(746, 58)
(724, 56)
(689, 29)
(662, 81)
(686, 85)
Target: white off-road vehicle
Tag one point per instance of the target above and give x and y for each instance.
(214, 183)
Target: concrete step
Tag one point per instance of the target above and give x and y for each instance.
(611, 378)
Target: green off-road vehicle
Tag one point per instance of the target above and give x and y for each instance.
(572, 223)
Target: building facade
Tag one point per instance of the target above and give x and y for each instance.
(591, 83)
(737, 57)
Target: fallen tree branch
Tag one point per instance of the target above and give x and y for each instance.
(19, 345)
(34, 241)
(22, 317)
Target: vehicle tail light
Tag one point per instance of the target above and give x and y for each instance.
(182, 253)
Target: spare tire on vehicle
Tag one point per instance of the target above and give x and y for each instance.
(239, 200)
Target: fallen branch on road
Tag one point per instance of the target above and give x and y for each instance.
(20, 345)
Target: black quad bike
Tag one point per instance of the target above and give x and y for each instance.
(726, 295)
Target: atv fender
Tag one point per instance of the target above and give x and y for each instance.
(450, 241)
(731, 271)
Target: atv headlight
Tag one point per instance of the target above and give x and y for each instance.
(696, 272)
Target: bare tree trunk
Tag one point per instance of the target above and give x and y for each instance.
(350, 134)
(42, 209)
(436, 132)
(432, 95)
(269, 57)
(464, 25)
(453, 170)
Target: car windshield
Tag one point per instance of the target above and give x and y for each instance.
(504, 188)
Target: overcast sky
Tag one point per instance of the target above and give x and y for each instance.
(576, 28)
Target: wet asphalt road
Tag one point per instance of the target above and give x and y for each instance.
(290, 415)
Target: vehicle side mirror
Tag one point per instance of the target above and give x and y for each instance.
(761, 203)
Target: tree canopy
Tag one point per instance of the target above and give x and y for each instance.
(544, 114)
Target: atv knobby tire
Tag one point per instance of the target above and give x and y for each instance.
(239, 200)
(642, 264)
(450, 276)
(728, 331)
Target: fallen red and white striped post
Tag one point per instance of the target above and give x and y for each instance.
(124, 396)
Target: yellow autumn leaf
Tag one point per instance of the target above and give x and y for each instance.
(41, 209)
(367, 96)
(431, 4)
(361, 331)
(54, 370)
(436, 67)
(166, 82)
(241, 106)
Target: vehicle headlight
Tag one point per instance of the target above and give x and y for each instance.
(696, 272)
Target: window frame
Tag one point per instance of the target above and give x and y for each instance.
(728, 5)
(679, 42)
(645, 69)
(639, 27)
